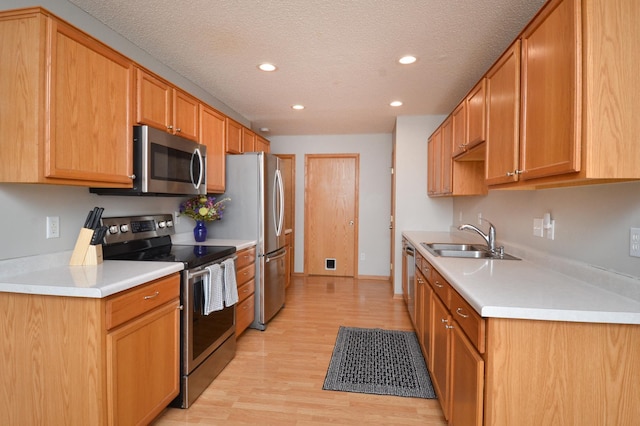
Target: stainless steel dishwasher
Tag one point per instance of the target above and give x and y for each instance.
(408, 277)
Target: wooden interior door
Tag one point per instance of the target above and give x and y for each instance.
(331, 214)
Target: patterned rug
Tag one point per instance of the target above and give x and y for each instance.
(383, 362)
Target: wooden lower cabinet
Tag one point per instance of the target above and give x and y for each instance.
(440, 364)
(89, 361)
(467, 381)
(245, 278)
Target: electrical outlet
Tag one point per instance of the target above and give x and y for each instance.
(362, 256)
(53, 227)
(634, 242)
(479, 218)
(538, 230)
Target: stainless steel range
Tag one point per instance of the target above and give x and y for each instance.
(207, 342)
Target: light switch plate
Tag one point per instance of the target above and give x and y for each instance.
(538, 230)
(634, 242)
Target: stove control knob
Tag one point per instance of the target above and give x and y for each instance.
(124, 228)
(113, 229)
(162, 224)
(169, 224)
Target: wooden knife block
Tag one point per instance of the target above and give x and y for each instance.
(84, 253)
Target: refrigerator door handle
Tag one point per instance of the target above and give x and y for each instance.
(278, 205)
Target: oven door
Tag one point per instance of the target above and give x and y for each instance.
(201, 334)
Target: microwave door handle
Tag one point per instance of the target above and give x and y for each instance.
(200, 176)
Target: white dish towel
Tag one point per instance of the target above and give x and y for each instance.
(230, 285)
(212, 289)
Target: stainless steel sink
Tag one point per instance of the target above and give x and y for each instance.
(464, 250)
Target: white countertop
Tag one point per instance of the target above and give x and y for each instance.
(52, 275)
(186, 238)
(527, 290)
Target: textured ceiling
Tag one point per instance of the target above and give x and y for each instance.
(336, 57)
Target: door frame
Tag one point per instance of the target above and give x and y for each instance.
(356, 238)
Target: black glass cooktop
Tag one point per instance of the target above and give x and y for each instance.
(161, 250)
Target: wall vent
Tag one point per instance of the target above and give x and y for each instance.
(330, 264)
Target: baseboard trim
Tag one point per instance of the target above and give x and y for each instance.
(374, 277)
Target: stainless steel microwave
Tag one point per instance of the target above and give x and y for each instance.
(164, 164)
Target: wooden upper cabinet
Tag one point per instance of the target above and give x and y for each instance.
(503, 118)
(213, 135)
(163, 106)
(551, 93)
(53, 131)
(185, 115)
(248, 140)
(434, 163)
(459, 128)
(262, 144)
(234, 137)
(446, 161)
(476, 115)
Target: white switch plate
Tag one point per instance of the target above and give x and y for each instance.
(538, 230)
(479, 218)
(634, 242)
(176, 218)
(53, 227)
(362, 256)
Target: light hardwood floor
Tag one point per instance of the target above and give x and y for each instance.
(276, 376)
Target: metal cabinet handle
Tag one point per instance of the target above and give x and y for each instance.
(169, 127)
(518, 172)
(132, 177)
(459, 312)
(443, 320)
(437, 284)
(152, 296)
(509, 174)
(178, 130)
(448, 326)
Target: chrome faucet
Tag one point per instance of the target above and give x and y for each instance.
(489, 239)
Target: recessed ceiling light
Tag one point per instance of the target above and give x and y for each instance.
(297, 106)
(396, 104)
(267, 67)
(406, 60)
(264, 129)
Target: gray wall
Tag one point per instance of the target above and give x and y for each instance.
(374, 198)
(592, 222)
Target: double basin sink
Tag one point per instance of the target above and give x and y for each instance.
(472, 251)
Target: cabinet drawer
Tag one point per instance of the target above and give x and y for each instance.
(441, 287)
(245, 274)
(471, 322)
(244, 314)
(245, 290)
(426, 269)
(245, 257)
(132, 303)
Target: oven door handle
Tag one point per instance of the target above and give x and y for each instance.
(193, 275)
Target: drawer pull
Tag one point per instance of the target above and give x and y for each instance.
(444, 321)
(459, 312)
(448, 326)
(152, 296)
(437, 284)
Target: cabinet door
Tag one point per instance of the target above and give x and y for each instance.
(234, 137)
(476, 115)
(262, 144)
(434, 163)
(551, 92)
(441, 361)
(431, 181)
(143, 358)
(248, 140)
(427, 323)
(459, 129)
(185, 115)
(90, 112)
(212, 134)
(503, 118)
(153, 101)
(419, 306)
(467, 381)
(446, 157)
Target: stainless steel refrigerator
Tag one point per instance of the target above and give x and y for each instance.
(256, 212)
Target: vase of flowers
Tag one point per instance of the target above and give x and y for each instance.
(202, 209)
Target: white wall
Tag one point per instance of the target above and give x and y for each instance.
(374, 198)
(414, 210)
(592, 222)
